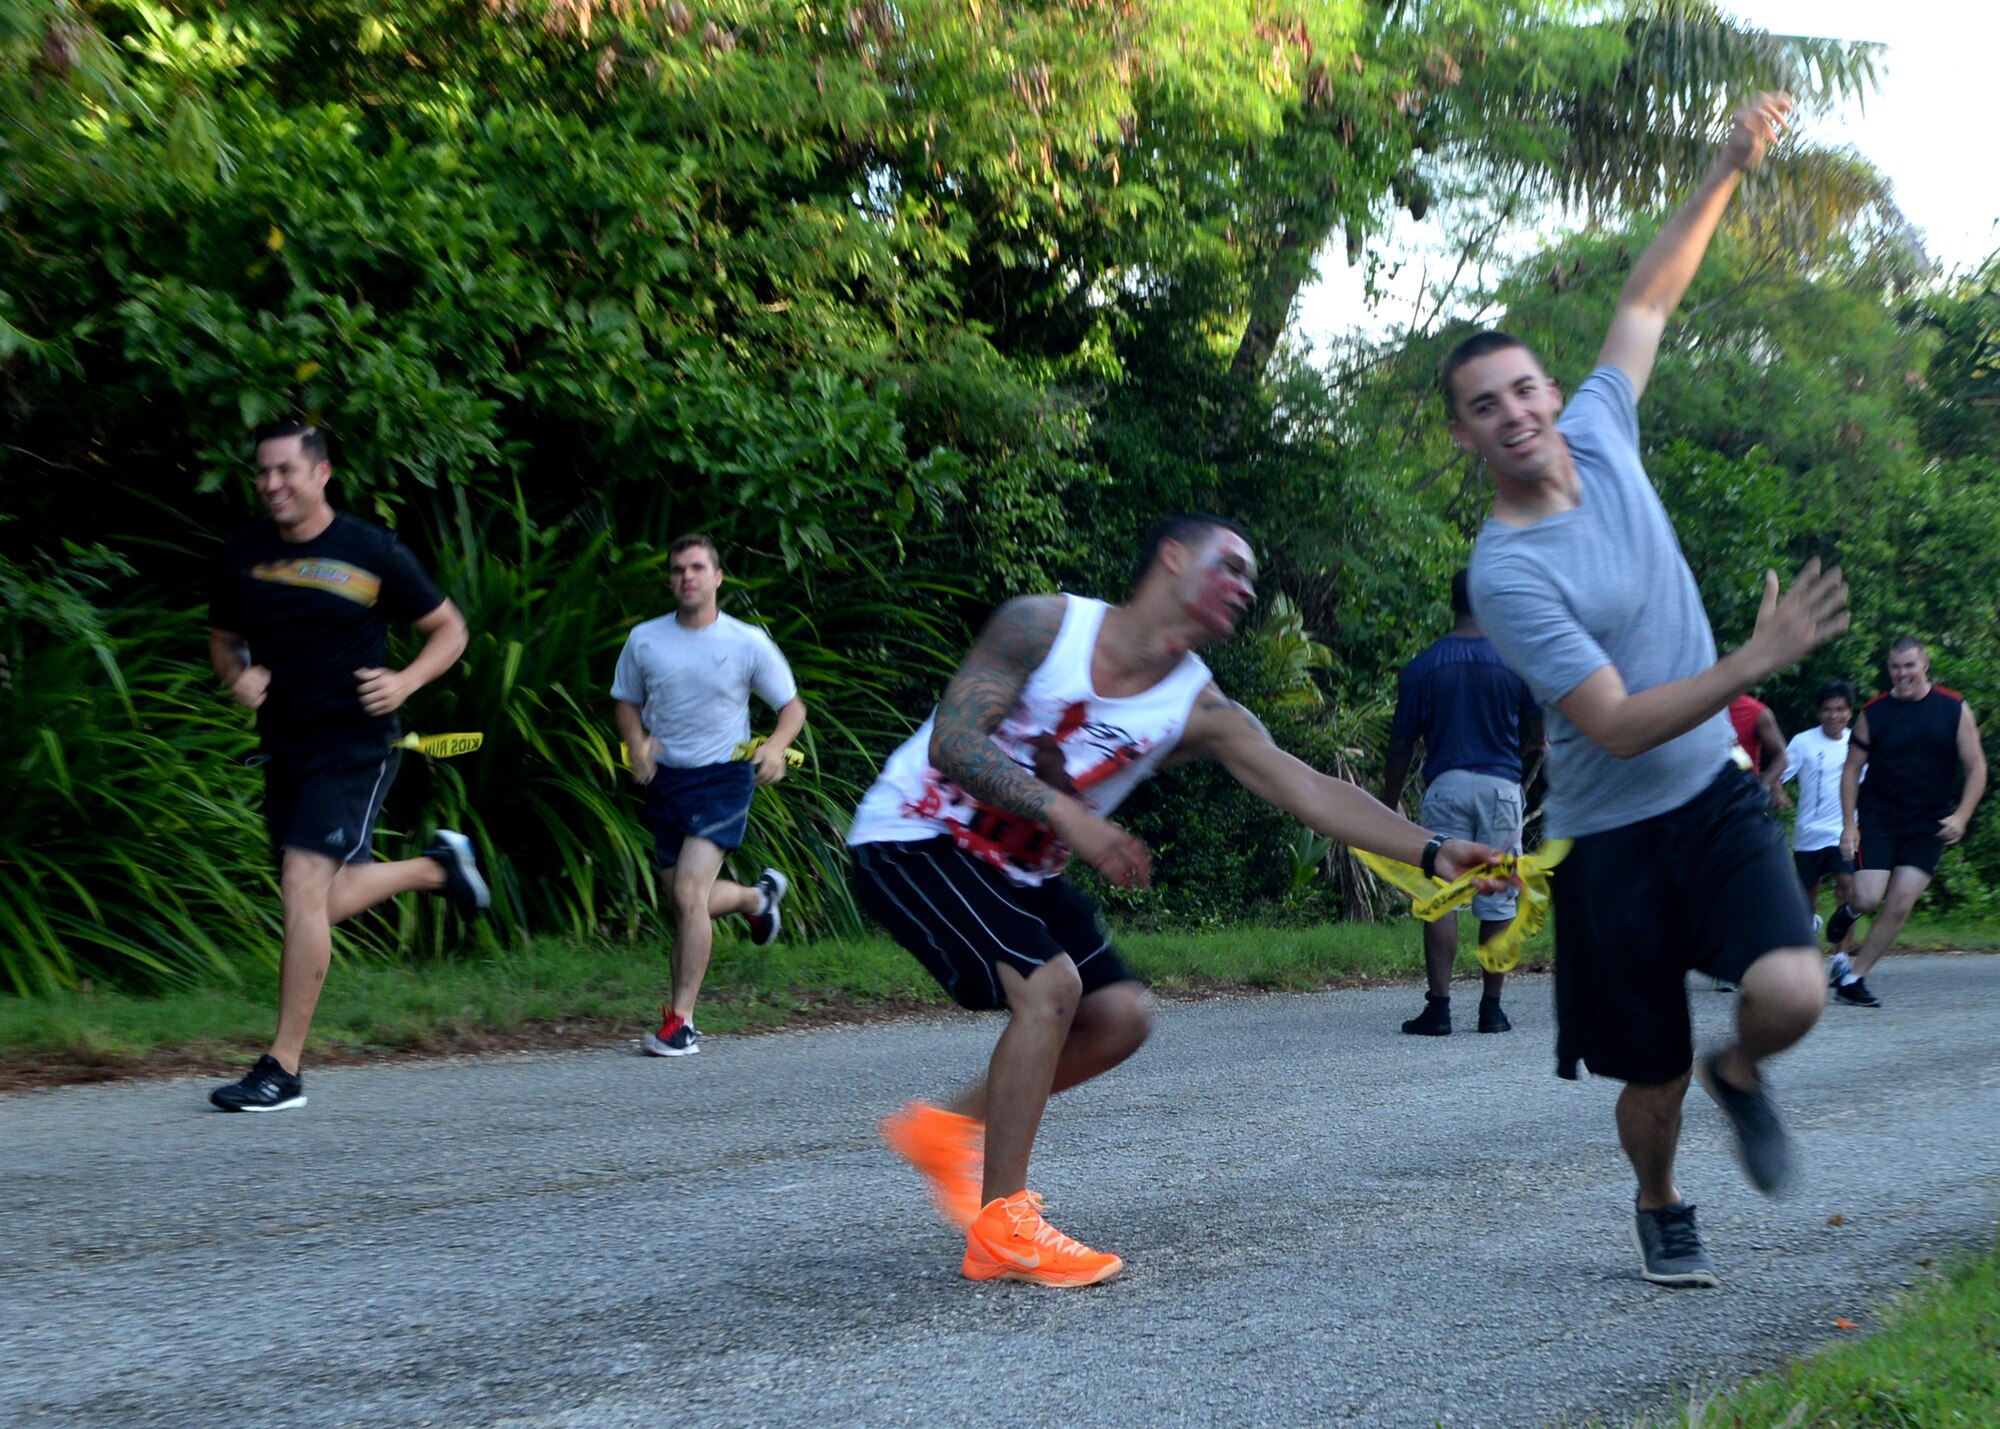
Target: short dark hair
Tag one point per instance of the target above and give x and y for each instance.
(1461, 592)
(312, 441)
(1471, 349)
(1906, 642)
(1835, 690)
(1184, 529)
(687, 543)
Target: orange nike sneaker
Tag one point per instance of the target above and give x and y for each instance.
(1010, 1241)
(949, 1151)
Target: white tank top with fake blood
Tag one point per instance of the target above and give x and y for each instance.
(1108, 747)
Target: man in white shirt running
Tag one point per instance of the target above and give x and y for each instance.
(1814, 760)
(682, 689)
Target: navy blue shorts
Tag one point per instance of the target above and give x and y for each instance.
(1707, 886)
(324, 797)
(709, 802)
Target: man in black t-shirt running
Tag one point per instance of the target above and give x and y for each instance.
(1913, 742)
(300, 633)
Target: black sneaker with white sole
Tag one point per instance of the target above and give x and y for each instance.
(1856, 994)
(1841, 924)
(764, 923)
(1670, 1248)
(462, 882)
(1763, 1147)
(265, 1087)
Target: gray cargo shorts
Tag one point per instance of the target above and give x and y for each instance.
(1484, 808)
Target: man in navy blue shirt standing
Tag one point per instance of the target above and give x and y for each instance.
(1476, 722)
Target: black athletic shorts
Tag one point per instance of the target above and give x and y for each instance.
(1887, 846)
(1705, 886)
(1817, 865)
(963, 919)
(324, 797)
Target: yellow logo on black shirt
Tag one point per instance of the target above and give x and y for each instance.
(316, 573)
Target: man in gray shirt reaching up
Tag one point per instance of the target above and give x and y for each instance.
(1578, 580)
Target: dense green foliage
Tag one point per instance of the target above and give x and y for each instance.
(914, 306)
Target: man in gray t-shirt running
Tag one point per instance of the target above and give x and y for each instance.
(681, 696)
(1677, 864)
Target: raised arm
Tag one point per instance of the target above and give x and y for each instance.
(1223, 730)
(1669, 263)
(1623, 724)
(1014, 642)
(1972, 757)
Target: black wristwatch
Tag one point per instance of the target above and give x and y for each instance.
(1430, 859)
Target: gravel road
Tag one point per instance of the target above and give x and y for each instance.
(1322, 1221)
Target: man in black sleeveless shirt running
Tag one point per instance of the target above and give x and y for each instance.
(299, 633)
(1913, 742)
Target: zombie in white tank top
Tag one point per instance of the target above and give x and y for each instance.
(1107, 748)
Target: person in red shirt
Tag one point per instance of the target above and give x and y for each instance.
(1758, 733)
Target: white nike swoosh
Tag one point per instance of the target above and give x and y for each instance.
(1031, 1261)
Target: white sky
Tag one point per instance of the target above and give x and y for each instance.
(1930, 128)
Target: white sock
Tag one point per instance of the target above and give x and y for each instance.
(1849, 979)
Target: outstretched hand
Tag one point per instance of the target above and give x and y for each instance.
(1124, 861)
(1756, 128)
(1793, 625)
(1458, 857)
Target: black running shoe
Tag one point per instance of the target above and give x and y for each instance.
(1670, 1248)
(764, 923)
(1434, 1020)
(1762, 1147)
(265, 1087)
(1491, 1018)
(1856, 994)
(462, 883)
(1841, 924)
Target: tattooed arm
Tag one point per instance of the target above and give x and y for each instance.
(1014, 642)
(1223, 730)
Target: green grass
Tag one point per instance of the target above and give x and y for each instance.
(441, 1004)
(585, 986)
(1934, 1360)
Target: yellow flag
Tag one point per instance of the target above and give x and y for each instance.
(1432, 898)
(440, 746)
(793, 757)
